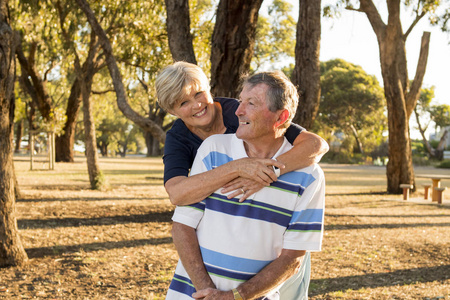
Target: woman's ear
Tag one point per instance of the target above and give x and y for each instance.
(172, 112)
(282, 118)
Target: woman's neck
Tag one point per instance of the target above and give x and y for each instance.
(217, 125)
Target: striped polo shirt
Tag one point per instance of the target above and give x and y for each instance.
(237, 240)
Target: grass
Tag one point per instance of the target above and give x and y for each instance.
(116, 244)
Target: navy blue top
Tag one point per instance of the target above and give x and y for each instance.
(181, 144)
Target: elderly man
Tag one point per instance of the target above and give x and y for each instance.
(233, 250)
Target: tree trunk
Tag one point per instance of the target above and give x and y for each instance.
(357, 140)
(19, 135)
(65, 142)
(153, 145)
(11, 248)
(36, 87)
(400, 97)
(90, 138)
(232, 46)
(306, 74)
(179, 31)
(122, 99)
(431, 151)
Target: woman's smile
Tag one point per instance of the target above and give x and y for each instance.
(201, 113)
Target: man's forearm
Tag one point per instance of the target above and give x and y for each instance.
(277, 272)
(185, 240)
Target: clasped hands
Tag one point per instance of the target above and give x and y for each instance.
(254, 174)
(213, 294)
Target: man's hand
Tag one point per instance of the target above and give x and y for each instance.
(213, 294)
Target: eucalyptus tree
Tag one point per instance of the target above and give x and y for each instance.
(352, 102)
(401, 96)
(306, 74)
(11, 248)
(46, 72)
(437, 113)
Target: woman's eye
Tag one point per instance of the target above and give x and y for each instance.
(183, 103)
(198, 94)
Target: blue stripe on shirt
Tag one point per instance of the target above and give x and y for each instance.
(238, 264)
(182, 285)
(215, 159)
(308, 215)
(305, 227)
(249, 209)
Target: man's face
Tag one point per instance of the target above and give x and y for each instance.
(255, 118)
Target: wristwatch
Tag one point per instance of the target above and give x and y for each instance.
(236, 295)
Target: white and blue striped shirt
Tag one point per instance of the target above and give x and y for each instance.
(237, 240)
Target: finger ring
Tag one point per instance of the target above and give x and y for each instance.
(243, 192)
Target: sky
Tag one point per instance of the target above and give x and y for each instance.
(350, 37)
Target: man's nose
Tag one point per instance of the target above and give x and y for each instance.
(239, 110)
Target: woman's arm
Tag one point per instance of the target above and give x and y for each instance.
(184, 190)
(308, 149)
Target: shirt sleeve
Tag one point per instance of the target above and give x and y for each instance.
(305, 230)
(191, 215)
(292, 132)
(177, 157)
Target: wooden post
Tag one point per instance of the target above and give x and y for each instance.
(406, 188)
(31, 141)
(436, 184)
(439, 194)
(426, 188)
(53, 150)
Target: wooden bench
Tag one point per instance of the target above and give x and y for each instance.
(436, 181)
(406, 187)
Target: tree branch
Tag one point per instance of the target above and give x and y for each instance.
(413, 94)
(378, 26)
(122, 100)
(414, 23)
(102, 92)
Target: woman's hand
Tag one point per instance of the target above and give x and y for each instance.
(257, 169)
(242, 186)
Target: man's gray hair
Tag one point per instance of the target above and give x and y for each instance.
(281, 94)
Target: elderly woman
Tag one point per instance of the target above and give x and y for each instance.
(183, 90)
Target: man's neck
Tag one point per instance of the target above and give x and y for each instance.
(263, 149)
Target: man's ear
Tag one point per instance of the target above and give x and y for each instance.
(282, 118)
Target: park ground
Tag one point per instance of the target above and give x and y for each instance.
(116, 244)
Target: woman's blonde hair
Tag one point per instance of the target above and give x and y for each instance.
(176, 81)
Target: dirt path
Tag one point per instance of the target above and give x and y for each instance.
(116, 244)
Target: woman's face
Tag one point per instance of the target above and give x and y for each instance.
(196, 109)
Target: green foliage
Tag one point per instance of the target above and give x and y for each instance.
(440, 114)
(275, 35)
(352, 102)
(445, 164)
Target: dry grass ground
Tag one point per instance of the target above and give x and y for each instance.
(116, 244)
